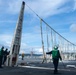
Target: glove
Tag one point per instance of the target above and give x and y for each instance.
(46, 52)
(61, 59)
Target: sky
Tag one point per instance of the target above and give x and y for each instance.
(59, 14)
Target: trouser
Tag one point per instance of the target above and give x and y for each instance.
(1, 60)
(55, 62)
(5, 57)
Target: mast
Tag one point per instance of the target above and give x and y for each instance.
(16, 42)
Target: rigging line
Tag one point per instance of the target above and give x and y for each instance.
(47, 38)
(52, 38)
(47, 24)
(55, 43)
(33, 11)
(57, 32)
(42, 39)
(60, 43)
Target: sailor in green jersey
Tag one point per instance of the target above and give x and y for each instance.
(1, 56)
(55, 57)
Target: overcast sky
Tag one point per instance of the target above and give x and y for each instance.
(59, 14)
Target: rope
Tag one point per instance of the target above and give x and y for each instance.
(42, 39)
(48, 25)
(52, 38)
(47, 38)
(55, 39)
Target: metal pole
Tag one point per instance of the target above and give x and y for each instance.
(52, 38)
(42, 41)
(55, 39)
(47, 38)
(16, 42)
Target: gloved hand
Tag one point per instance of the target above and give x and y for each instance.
(61, 59)
(46, 52)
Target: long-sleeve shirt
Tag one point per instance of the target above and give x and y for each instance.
(58, 55)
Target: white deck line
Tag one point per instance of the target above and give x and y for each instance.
(47, 68)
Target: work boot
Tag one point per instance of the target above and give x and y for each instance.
(55, 72)
(1, 67)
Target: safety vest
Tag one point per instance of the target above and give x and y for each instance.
(1, 52)
(55, 54)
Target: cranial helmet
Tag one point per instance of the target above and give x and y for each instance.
(55, 47)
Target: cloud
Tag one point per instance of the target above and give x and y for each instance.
(5, 39)
(37, 50)
(43, 8)
(73, 27)
(46, 8)
(14, 6)
(40, 50)
(30, 37)
(74, 4)
(7, 21)
(0, 2)
(23, 45)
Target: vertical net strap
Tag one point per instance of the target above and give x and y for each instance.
(42, 38)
